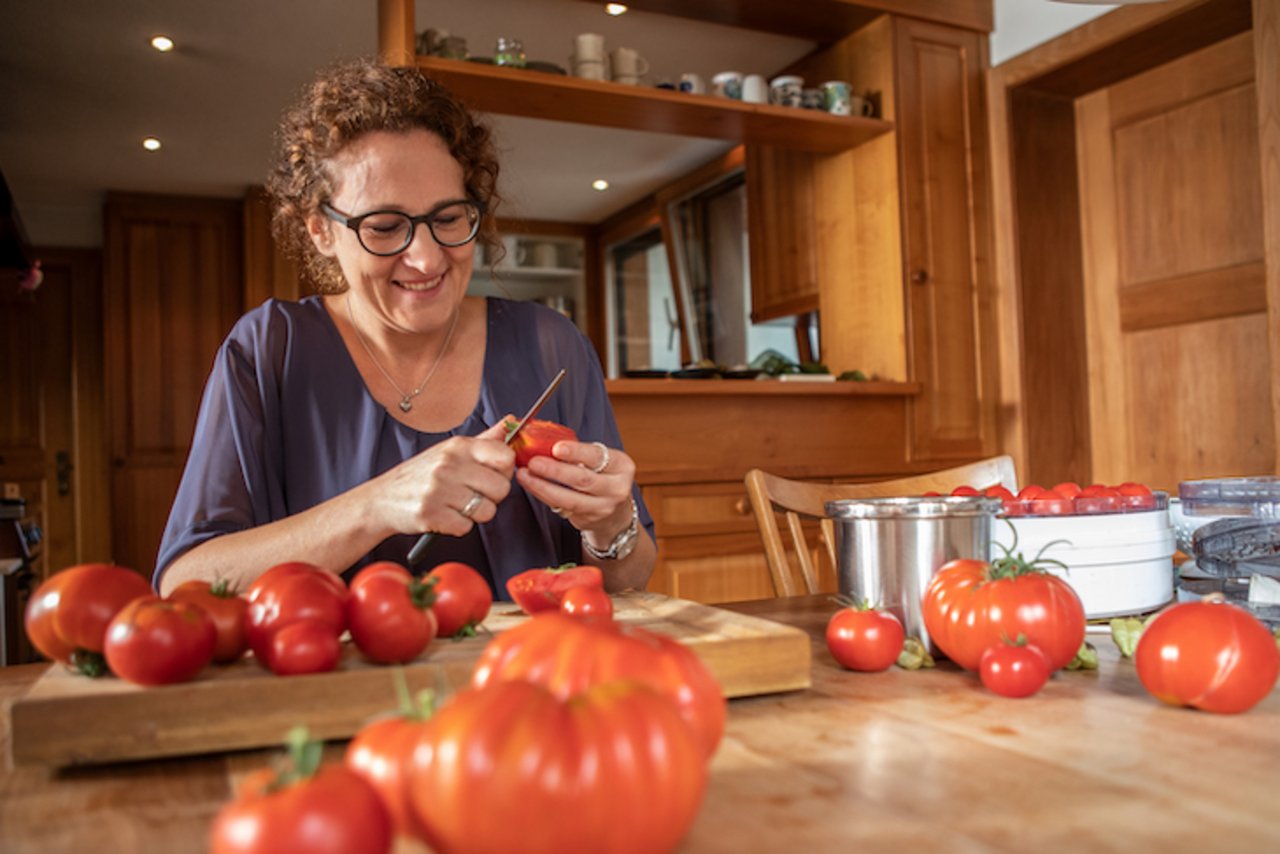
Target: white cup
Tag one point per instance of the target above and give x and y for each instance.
(544, 255)
(692, 83)
(515, 253)
(755, 90)
(628, 65)
(590, 69)
(588, 47)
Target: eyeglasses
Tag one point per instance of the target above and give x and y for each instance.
(452, 223)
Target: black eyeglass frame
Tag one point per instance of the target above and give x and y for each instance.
(428, 218)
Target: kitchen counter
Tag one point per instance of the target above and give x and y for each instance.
(915, 761)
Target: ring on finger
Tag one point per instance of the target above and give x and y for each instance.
(561, 512)
(472, 505)
(604, 458)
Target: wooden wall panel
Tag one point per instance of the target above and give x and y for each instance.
(267, 272)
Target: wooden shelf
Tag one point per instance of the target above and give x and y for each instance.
(554, 97)
(720, 386)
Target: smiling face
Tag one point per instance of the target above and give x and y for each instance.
(418, 289)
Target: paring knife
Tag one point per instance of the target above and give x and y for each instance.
(420, 548)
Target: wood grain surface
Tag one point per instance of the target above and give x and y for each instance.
(66, 719)
(895, 761)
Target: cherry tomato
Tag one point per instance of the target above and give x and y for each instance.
(1096, 498)
(304, 646)
(1030, 491)
(1067, 489)
(228, 611)
(863, 638)
(1014, 670)
(537, 439)
(1051, 503)
(389, 613)
(157, 642)
(463, 599)
(587, 602)
(1208, 655)
(537, 590)
(965, 490)
(1136, 496)
(998, 491)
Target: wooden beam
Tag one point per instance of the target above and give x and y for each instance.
(396, 39)
(1266, 56)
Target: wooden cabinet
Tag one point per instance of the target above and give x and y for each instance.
(780, 219)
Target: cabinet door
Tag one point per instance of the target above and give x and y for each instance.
(780, 229)
(172, 292)
(942, 150)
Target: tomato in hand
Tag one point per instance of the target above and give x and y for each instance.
(863, 638)
(228, 610)
(158, 642)
(537, 590)
(1014, 669)
(971, 605)
(303, 646)
(463, 599)
(1208, 655)
(326, 809)
(389, 613)
(515, 767)
(537, 439)
(587, 602)
(67, 616)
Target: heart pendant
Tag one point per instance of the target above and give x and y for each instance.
(405, 405)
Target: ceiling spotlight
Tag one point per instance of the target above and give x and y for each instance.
(164, 44)
(615, 9)
(151, 143)
(600, 184)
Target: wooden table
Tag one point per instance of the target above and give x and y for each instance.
(895, 761)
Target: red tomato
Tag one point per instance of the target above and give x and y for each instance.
(1014, 670)
(329, 811)
(282, 571)
(463, 599)
(614, 768)
(863, 638)
(1030, 491)
(998, 491)
(1050, 503)
(537, 439)
(537, 590)
(389, 613)
(307, 594)
(1208, 655)
(1097, 499)
(1067, 489)
(303, 646)
(965, 490)
(1136, 496)
(587, 602)
(567, 655)
(227, 610)
(931, 494)
(67, 616)
(380, 753)
(972, 605)
(155, 642)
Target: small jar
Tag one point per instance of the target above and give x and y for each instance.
(509, 52)
(454, 47)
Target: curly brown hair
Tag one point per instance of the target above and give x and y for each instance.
(345, 102)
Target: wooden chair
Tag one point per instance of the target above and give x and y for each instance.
(770, 494)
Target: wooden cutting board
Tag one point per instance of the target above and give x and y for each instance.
(67, 719)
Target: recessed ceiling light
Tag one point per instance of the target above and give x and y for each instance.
(600, 184)
(164, 44)
(150, 143)
(615, 9)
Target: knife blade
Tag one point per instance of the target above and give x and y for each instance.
(420, 547)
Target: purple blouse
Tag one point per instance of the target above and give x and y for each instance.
(286, 423)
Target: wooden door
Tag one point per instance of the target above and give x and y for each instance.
(945, 234)
(1174, 271)
(780, 223)
(173, 290)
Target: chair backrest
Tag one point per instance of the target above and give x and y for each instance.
(798, 499)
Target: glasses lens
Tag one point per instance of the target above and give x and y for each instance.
(455, 224)
(385, 233)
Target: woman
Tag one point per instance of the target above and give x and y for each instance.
(337, 429)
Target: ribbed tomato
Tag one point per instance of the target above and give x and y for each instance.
(1208, 655)
(569, 654)
(971, 605)
(380, 753)
(512, 767)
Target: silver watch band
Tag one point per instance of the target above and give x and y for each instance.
(623, 544)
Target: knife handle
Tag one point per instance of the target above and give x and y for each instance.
(420, 548)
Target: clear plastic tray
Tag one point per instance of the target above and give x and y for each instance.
(1232, 496)
(1238, 546)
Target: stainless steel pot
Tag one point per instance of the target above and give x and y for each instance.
(888, 549)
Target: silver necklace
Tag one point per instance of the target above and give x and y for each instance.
(406, 400)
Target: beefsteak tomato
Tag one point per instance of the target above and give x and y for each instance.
(566, 655)
(389, 613)
(157, 642)
(537, 439)
(536, 590)
(226, 608)
(67, 616)
(1209, 655)
(971, 605)
(463, 599)
(381, 753)
(613, 768)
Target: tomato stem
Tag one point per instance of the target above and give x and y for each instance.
(89, 663)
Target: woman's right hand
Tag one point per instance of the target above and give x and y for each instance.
(430, 491)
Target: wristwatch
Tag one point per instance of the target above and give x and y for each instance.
(622, 545)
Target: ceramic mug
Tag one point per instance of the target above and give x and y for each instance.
(785, 90)
(692, 83)
(836, 98)
(811, 99)
(755, 90)
(860, 106)
(588, 47)
(543, 255)
(628, 65)
(590, 69)
(515, 252)
(727, 84)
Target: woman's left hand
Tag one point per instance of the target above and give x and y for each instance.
(587, 484)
